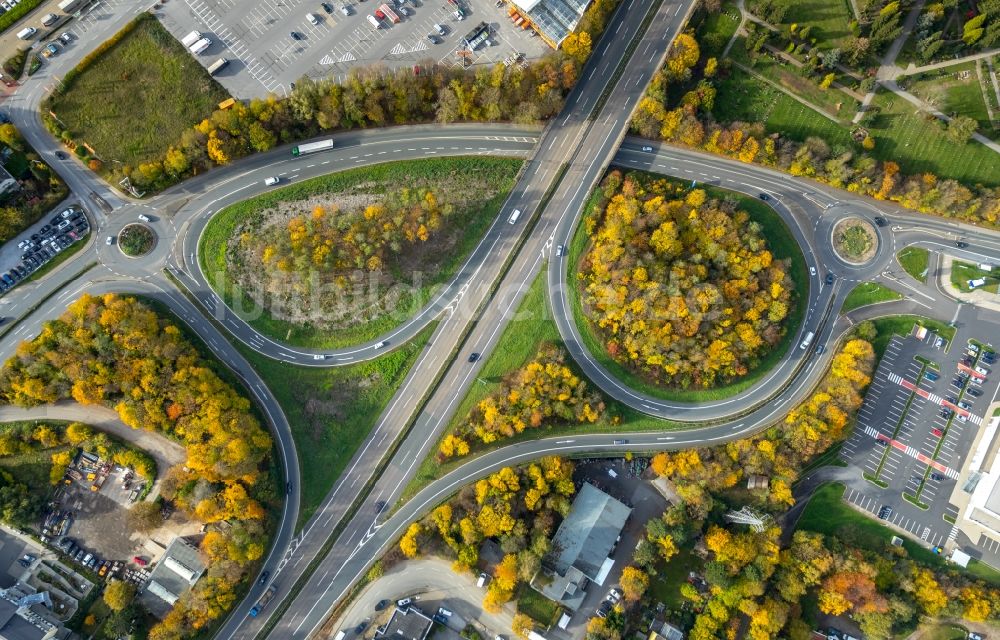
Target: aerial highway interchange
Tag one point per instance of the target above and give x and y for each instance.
(564, 160)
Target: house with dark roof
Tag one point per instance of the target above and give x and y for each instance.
(581, 547)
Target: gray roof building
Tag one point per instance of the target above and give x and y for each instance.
(20, 621)
(406, 624)
(177, 571)
(581, 546)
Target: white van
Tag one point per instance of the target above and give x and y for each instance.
(200, 46)
(26, 33)
(482, 580)
(374, 21)
(191, 38)
(313, 20)
(48, 19)
(978, 282)
(270, 182)
(514, 216)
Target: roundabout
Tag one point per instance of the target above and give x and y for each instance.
(136, 240)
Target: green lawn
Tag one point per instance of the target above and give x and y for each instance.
(537, 606)
(833, 101)
(31, 468)
(741, 97)
(953, 94)
(962, 272)
(942, 631)
(781, 243)
(828, 18)
(826, 513)
(914, 262)
(665, 586)
(331, 410)
(138, 97)
(902, 325)
(868, 293)
(467, 227)
(717, 29)
(919, 145)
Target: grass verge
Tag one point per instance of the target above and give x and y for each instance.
(497, 173)
(902, 325)
(782, 244)
(963, 272)
(826, 513)
(914, 262)
(867, 293)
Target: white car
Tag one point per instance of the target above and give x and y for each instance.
(319, 356)
(110, 240)
(144, 217)
(313, 20)
(270, 182)
(380, 344)
(812, 271)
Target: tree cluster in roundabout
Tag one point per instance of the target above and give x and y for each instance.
(136, 240)
(680, 287)
(542, 392)
(518, 507)
(114, 351)
(339, 259)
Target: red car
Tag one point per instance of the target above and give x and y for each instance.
(139, 560)
(379, 14)
(937, 432)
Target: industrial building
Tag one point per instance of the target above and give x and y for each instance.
(177, 571)
(552, 19)
(582, 546)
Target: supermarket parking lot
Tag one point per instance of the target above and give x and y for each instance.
(920, 417)
(270, 45)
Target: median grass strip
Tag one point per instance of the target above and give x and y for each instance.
(867, 293)
(899, 424)
(782, 244)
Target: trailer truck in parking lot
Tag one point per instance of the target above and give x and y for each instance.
(312, 147)
(389, 13)
(191, 38)
(200, 46)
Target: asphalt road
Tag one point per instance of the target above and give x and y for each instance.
(585, 147)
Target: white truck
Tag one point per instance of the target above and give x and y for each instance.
(191, 38)
(374, 21)
(200, 46)
(808, 340)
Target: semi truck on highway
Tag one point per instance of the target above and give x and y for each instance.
(312, 147)
(264, 599)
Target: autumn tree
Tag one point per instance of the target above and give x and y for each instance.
(118, 594)
(409, 543)
(634, 582)
(522, 625)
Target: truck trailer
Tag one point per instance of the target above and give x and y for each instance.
(264, 599)
(200, 46)
(312, 147)
(191, 38)
(217, 66)
(389, 13)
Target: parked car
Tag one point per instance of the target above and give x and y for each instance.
(885, 512)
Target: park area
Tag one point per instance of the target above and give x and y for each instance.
(134, 95)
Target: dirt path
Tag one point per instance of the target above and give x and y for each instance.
(166, 452)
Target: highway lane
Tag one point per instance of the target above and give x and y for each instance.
(572, 139)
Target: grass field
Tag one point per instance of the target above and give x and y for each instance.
(833, 101)
(942, 631)
(868, 293)
(918, 145)
(953, 94)
(826, 513)
(665, 586)
(781, 243)
(332, 410)
(537, 606)
(31, 468)
(104, 106)
(745, 98)
(828, 18)
(717, 29)
(496, 173)
(962, 272)
(914, 262)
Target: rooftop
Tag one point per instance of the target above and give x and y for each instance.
(554, 19)
(178, 569)
(590, 531)
(406, 624)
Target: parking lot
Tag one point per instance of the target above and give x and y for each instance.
(919, 419)
(39, 244)
(271, 45)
